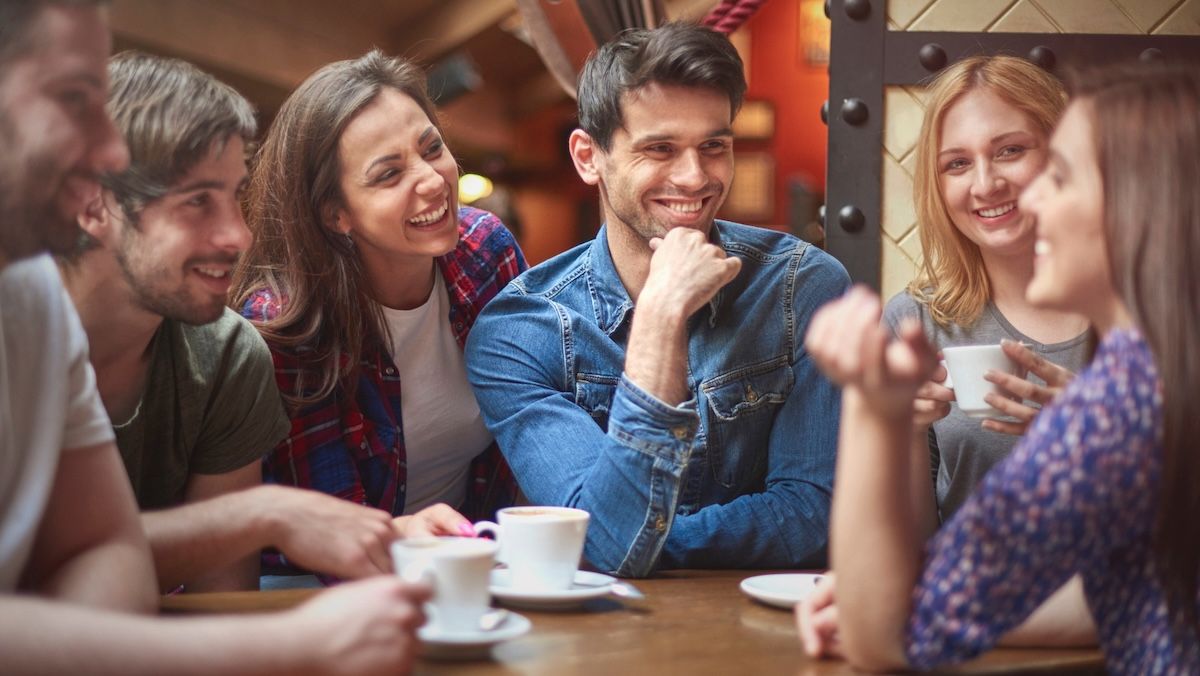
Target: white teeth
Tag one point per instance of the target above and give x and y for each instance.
(1041, 248)
(998, 211)
(213, 272)
(433, 217)
(685, 207)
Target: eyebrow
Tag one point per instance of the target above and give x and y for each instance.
(206, 185)
(429, 132)
(655, 138)
(995, 140)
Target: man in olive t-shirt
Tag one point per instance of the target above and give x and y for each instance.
(188, 384)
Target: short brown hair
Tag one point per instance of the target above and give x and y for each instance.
(171, 115)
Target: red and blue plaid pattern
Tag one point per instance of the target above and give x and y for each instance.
(354, 448)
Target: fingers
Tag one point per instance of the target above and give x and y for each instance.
(1015, 429)
(1019, 387)
(439, 519)
(816, 619)
(655, 242)
(1054, 375)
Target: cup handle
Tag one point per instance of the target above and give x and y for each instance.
(418, 572)
(494, 529)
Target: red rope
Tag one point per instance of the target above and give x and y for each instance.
(729, 15)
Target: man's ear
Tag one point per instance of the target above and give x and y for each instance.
(586, 155)
(97, 216)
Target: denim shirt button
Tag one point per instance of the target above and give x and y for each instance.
(751, 395)
(390, 371)
(680, 433)
(660, 524)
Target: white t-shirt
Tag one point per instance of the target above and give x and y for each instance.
(443, 428)
(48, 401)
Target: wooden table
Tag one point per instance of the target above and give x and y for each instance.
(692, 622)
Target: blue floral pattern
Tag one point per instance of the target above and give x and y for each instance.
(1077, 495)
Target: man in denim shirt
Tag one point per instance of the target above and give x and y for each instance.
(696, 430)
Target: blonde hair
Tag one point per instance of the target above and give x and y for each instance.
(951, 280)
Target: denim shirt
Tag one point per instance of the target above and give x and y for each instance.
(738, 476)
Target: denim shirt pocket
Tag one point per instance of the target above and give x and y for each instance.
(742, 403)
(594, 394)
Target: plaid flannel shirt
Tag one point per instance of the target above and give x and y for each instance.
(354, 448)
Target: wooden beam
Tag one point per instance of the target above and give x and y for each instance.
(217, 34)
(450, 27)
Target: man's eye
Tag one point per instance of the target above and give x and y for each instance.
(198, 200)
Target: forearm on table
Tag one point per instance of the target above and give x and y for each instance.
(873, 530)
(44, 637)
(785, 526)
(1062, 621)
(213, 544)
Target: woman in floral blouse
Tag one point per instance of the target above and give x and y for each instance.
(1104, 483)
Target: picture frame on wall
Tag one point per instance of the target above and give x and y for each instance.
(755, 121)
(752, 196)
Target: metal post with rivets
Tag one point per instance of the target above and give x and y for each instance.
(855, 118)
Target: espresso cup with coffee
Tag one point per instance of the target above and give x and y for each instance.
(458, 569)
(542, 546)
(967, 366)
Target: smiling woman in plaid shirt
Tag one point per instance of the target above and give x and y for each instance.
(365, 273)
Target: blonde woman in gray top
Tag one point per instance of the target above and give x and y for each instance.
(984, 138)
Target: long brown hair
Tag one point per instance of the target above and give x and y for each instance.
(1146, 125)
(327, 314)
(951, 280)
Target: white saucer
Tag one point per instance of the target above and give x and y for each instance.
(783, 590)
(585, 586)
(470, 644)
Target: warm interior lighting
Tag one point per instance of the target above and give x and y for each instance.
(472, 187)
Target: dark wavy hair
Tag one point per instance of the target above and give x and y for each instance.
(674, 53)
(1146, 126)
(292, 196)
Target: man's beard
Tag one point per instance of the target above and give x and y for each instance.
(30, 220)
(149, 283)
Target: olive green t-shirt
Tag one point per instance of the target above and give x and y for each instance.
(210, 406)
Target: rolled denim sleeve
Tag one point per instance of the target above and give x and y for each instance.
(627, 477)
(786, 524)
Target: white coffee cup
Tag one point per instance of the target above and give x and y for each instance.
(541, 545)
(966, 366)
(458, 569)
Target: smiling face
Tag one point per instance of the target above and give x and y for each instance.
(56, 135)
(1071, 270)
(399, 183)
(670, 164)
(178, 258)
(989, 151)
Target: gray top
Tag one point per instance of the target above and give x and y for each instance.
(961, 451)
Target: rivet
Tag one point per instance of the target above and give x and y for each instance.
(825, 112)
(821, 215)
(1043, 56)
(1151, 54)
(827, 13)
(851, 218)
(858, 9)
(932, 57)
(854, 111)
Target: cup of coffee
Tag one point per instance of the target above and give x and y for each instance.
(458, 569)
(541, 545)
(966, 366)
